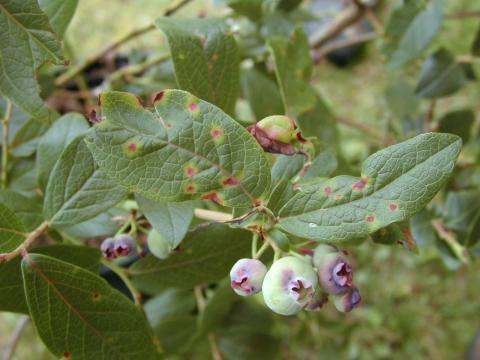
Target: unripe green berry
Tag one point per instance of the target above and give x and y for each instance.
(289, 285)
(158, 245)
(246, 276)
(348, 301)
(278, 127)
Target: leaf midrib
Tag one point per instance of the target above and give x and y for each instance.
(364, 197)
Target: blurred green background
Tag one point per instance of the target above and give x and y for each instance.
(413, 306)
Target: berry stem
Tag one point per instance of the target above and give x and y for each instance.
(122, 274)
(254, 244)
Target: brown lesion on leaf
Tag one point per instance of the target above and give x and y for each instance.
(157, 344)
(213, 195)
(370, 218)
(96, 296)
(190, 188)
(158, 97)
(393, 207)
(67, 355)
(230, 181)
(360, 184)
(140, 101)
(132, 147)
(190, 171)
(328, 190)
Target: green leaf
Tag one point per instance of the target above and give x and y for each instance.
(411, 29)
(60, 12)
(171, 314)
(324, 164)
(255, 85)
(205, 256)
(12, 230)
(26, 42)
(25, 141)
(101, 225)
(404, 105)
(28, 209)
(77, 190)
(458, 122)
(293, 69)
(252, 9)
(475, 50)
(217, 307)
(205, 57)
(422, 230)
(171, 220)
(12, 295)
(396, 183)
(22, 176)
(201, 153)
(462, 214)
(441, 76)
(55, 140)
(78, 315)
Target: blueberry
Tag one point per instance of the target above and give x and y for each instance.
(246, 276)
(124, 245)
(107, 249)
(348, 301)
(289, 285)
(335, 274)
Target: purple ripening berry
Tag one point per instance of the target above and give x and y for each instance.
(289, 285)
(247, 276)
(348, 301)
(124, 245)
(107, 248)
(335, 274)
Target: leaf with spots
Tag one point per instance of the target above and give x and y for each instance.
(205, 57)
(396, 183)
(293, 69)
(12, 294)
(185, 149)
(12, 230)
(26, 42)
(205, 255)
(77, 190)
(79, 316)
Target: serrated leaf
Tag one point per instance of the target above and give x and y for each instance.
(205, 57)
(26, 139)
(12, 230)
(255, 85)
(55, 140)
(411, 29)
(28, 209)
(171, 220)
(77, 190)
(201, 153)
(458, 122)
(441, 76)
(293, 69)
(78, 315)
(205, 256)
(396, 183)
(59, 12)
(171, 316)
(26, 41)
(12, 294)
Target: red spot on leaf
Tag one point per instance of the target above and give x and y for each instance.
(66, 62)
(96, 296)
(216, 133)
(328, 190)
(158, 97)
(213, 196)
(301, 138)
(360, 184)
(193, 106)
(393, 207)
(67, 355)
(231, 181)
(370, 218)
(190, 188)
(190, 171)
(132, 147)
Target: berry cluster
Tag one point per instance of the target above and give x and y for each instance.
(292, 284)
(121, 245)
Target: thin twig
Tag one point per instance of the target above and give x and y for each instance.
(468, 59)
(211, 215)
(340, 44)
(463, 14)
(23, 247)
(5, 127)
(237, 220)
(366, 129)
(75, 70)
(122, 274)
(9, 349)
(449, 237)
(350, 15)
(135, 69)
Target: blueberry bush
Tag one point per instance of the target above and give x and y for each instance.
(202, 199)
